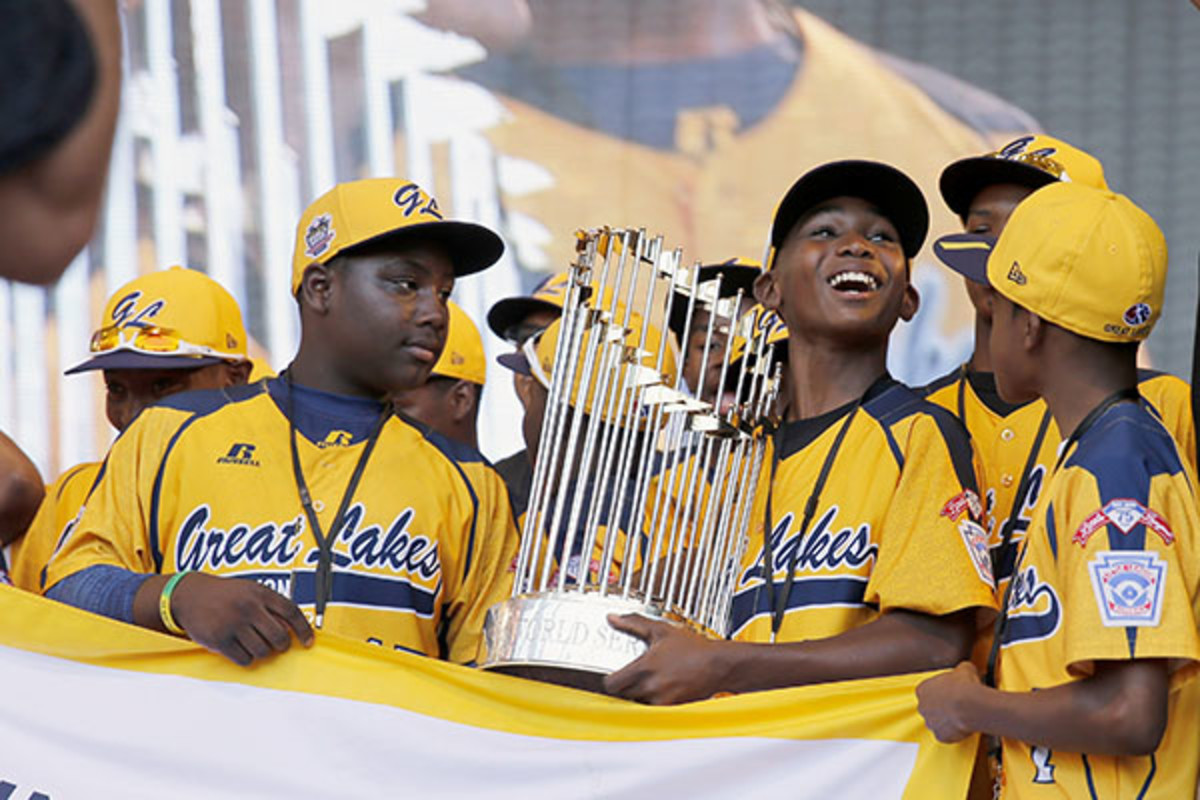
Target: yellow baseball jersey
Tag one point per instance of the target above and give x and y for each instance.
(57, 514)
(1109, 571)
(204, 481)
(898, 524)
(1003, 434)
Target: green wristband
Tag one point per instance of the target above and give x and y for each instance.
(164, 604)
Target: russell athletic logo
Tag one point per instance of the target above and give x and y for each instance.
(241, 453)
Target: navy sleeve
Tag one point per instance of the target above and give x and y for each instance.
(102, 589)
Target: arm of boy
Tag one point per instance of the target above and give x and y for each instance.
(1121, 709)
(680, 666)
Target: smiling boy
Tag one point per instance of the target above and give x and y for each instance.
(236, 517)
(866, 554)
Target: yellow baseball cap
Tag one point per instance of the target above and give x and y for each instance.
(1085, 259)
(354, 213)
(507, 314)
(536, 358)
(462, 358)
(175, 318)
(755, 322)
(260, 370)
(1033, 160)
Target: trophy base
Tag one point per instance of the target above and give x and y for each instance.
(562, 637)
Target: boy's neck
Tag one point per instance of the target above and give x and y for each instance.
(1077, 379)
(981, 357)
(315, 372)
(823, 376)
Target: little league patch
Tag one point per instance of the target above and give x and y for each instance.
(976, 541)
(1129, 587)
(1125, 514)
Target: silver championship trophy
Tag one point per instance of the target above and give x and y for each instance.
(642, 487)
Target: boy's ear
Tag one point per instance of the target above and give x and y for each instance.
(1033, 329)
(238, 372)
(315, 286)
(524, 388)
(766, 290)
(910, 303)
(462, 400)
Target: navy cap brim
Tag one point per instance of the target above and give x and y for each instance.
(472, 248)
(891, 191)
(734, 277)
(506, 314)
(129, 359)
(963, 180)
(516, 362)
(966, 253)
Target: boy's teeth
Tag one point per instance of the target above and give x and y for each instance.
(855, 277)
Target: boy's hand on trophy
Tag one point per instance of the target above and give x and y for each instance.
(678, 666)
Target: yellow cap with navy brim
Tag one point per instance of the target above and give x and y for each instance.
(462, 358)
(1032, 160)
(536, 358)
(175, 318)
(1085, 259)
(758, 321)
(507, 314)
(355, 213)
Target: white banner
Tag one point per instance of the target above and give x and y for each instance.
(136, 715)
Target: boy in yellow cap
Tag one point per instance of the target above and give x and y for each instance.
(1017, 444)
(237, 517)
(534, 363)
(449, 401)
(1097, 641)
(516, 319)
(163, 333)
(866, 554)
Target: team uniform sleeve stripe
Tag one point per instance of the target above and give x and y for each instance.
(937, 384)
(71, 475)
(1051, 532)
(958, 442)
(156, 495)
(470, 549)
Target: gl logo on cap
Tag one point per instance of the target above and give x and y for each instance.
(125, 313)
(1137, 314)
(412, 200)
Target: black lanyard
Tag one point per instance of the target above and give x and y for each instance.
(1001, 626)
(323, 580)
(778, 603)
(1006, 530)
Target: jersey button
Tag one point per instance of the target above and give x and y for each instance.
(319, 506)
(1006, 480)
(1007, 434)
